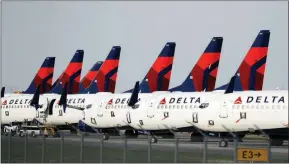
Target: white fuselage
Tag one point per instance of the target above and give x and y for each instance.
(71, 115)
(169, 110)
(181, 110)
(112, 111)
(18, 108)
(245, 111)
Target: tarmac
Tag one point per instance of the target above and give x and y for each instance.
(136, 150)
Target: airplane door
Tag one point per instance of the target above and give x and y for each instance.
(195, 117)
(100, 109)
(150, 109)
(224, 110)
(40, 113)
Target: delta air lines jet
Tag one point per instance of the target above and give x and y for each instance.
(113, 110)
(157, 105)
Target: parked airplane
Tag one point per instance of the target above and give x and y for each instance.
(17, 110)
(163, 73)
(246, 112)
(103, 82)
(119, 112)
(252, 79)
(112, 110)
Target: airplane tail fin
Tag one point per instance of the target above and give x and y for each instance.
(159, 75)
(252, 69)
(203, 76)
(105, 79)
(87, 79)
(43, 77)
(71, 75)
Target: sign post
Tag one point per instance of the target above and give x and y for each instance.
(250, 154)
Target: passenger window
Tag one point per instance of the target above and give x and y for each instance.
(262, 106)
(204, 105)
(162, 106)
(166, 106)
(89, 106)
(169, 106)
(186, 106)
(173, 106)
(191, 106)
(182, 106)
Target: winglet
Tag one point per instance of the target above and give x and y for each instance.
(63, 98)
(134, 96)
(2, 91)
(231, 85)
(35, 100)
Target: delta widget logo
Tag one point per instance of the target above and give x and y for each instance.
(238, 101)
(163, 101)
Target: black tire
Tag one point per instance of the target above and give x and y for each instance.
(105, 136)
(21, 134)
(154, 140)
(33, 134)
(223, 143)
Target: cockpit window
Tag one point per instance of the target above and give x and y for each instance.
(88, 106)
(135, 106)
(204, 105)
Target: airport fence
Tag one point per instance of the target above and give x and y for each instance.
(93, 148)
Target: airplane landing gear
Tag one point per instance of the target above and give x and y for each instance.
(275, 142)
(105, 136)
(153, 139)
(196, 137)
(223, 143)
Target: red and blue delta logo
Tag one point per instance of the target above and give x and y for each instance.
(238, 101)
(109, 102)
(163, 101)
(4, 102)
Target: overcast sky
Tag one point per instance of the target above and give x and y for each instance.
(34, 30)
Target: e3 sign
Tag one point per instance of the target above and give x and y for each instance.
(247, 154)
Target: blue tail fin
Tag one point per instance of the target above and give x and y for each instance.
(251, 70)
(204, 73)
(71, 75)
(43, 77)
(105, 79)
(159, 75)
(88, 78)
